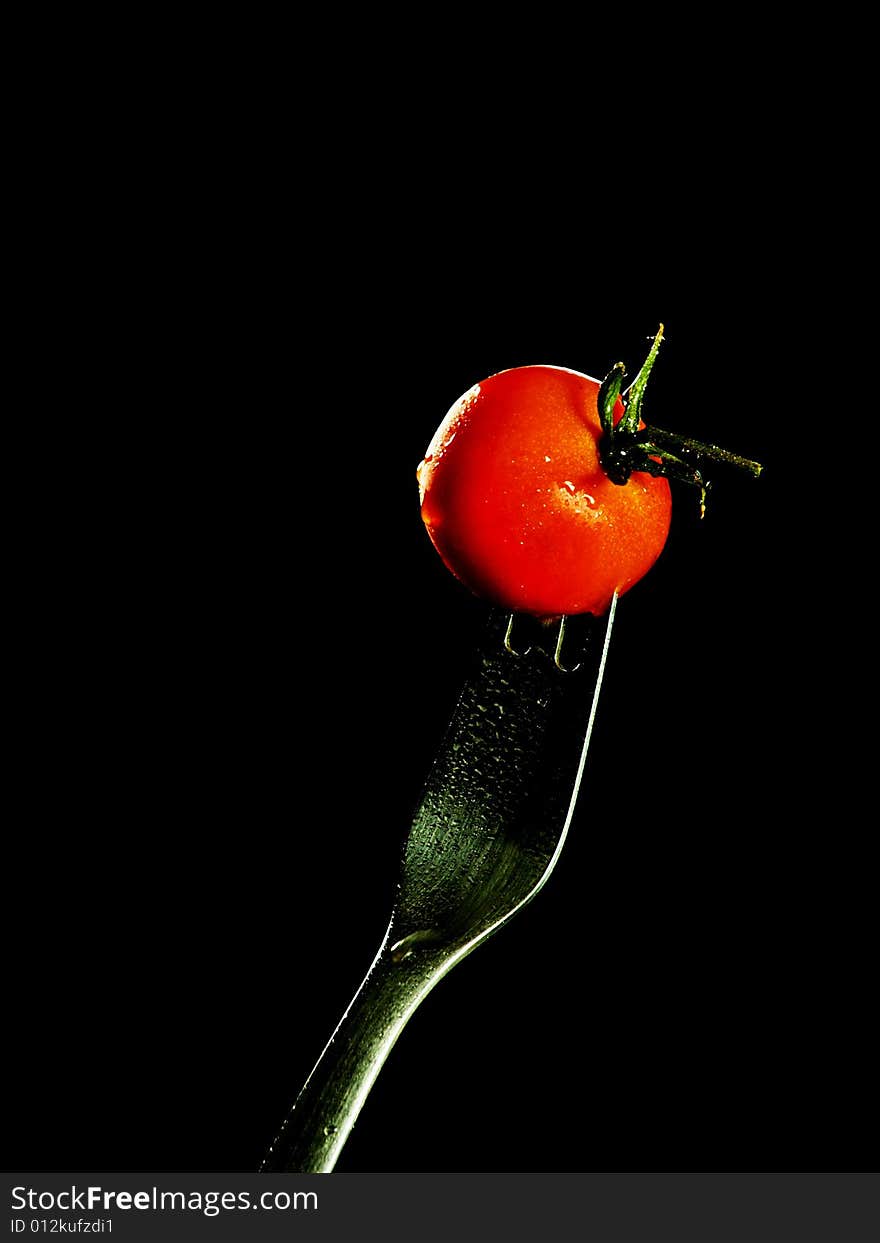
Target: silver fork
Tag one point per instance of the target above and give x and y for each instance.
(488, 832)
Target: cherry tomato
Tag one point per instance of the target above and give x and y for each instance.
(518, 505)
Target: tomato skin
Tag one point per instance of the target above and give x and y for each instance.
(517, 504)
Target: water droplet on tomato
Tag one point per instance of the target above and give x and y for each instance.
(566, 483)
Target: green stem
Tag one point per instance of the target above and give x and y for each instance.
(660, 439)
(630, 446)
(607, 396)
(636, 391)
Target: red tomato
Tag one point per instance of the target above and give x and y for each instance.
(519, 507)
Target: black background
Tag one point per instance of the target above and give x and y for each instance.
(239, 650)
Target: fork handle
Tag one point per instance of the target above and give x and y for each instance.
(314, 1132)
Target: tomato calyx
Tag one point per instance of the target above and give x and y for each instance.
(628, 444)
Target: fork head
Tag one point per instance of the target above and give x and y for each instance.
(500, 795)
